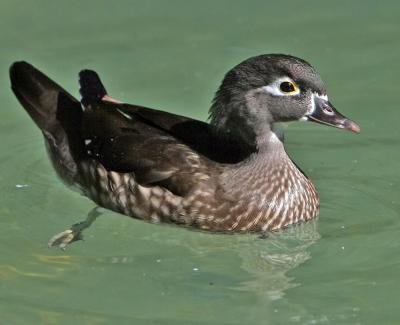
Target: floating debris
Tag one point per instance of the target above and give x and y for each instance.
(21, 185)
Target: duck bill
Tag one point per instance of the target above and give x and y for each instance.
(325, 113)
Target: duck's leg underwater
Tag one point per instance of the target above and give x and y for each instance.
(74, 233)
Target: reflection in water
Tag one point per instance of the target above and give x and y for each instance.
(264, 260)
(269, 260)
(54, 267)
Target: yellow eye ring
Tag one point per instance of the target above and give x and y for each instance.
(288, 87)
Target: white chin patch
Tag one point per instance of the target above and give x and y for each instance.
(312, 104)
(311, 108)
(324, 97)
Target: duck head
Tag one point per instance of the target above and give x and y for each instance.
(272, 88)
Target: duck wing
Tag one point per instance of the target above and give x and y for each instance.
(123, 141)
(158, 147)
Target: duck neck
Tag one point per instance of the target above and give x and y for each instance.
(251, 138)
(242, 120)
(270, 159)
(269, 149)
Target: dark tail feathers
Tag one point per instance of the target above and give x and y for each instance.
(92, 89)
(55, 112)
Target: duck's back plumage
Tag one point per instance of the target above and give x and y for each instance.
(153, 145)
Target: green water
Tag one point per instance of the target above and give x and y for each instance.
(342, 269)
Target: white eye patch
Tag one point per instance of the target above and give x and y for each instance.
(282, 87)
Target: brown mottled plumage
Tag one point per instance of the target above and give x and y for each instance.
(230, 175)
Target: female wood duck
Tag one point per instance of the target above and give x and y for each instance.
(231, 175)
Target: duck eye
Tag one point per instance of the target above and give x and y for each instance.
(287, 87)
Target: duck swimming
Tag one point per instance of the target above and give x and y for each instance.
(232, 174)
